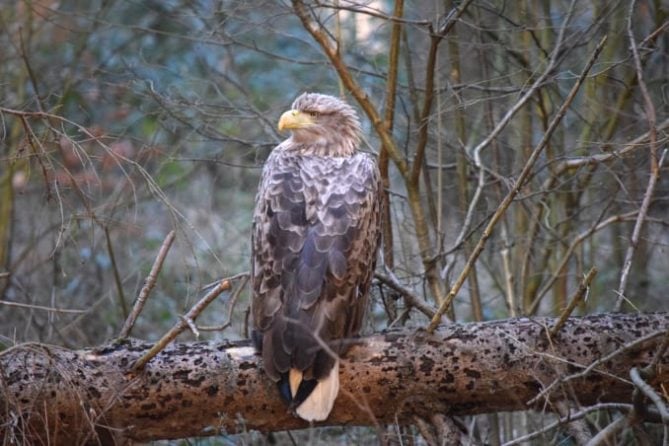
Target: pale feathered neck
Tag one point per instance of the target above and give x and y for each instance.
(336, 147)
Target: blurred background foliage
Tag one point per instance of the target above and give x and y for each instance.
(159, 114)
(122, 120)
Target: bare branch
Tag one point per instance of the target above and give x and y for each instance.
(575, 300)
(570, 250)
(607, 434)
(191, 326)
(232, 302)
(149, 283)
(42, 308)
(410, 298)
(520, 181)
(626, 150)
(476, 151)
(184, 322)
(389, 118)
(655, 165)
(633, 345)
(650, 393)
(359, 8)
(567, 419)
(117, 275)
(436, 36)
(351, 85)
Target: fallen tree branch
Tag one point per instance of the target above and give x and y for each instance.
(204, 389)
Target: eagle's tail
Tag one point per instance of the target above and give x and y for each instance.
(319, 402)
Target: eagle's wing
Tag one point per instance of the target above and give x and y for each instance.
(316, 230)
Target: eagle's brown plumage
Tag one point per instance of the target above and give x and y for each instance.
(315, 237)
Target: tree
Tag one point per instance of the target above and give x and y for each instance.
(522, 146)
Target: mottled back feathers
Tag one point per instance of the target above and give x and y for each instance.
(315, 237)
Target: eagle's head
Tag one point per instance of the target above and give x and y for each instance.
(322, 124)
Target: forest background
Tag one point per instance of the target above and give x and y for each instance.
(121, 121)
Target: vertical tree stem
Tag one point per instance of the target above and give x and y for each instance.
(504, 205)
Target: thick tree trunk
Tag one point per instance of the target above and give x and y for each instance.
(57, 396)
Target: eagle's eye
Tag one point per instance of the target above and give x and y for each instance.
(313, 114)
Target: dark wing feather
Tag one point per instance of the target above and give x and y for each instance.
(316, 230)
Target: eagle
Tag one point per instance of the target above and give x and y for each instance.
(316, 230)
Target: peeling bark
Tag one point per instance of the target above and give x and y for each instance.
(53, 395)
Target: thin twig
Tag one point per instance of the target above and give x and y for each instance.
(389, 118)
(573, 301)
(658, 355)
(232, 301)
(31, 73)
(118, 159)
(578, 429)
(476, 152)
(149, 283)
(608, 432)
(511, 300)
(352, 86)
(625, 150)
(627, 347)
(426, 431)
(649, 392)
(247, 316)
(447, 429)
(636, 232)
(377, 13)
(39, 154)
(242, 275)
(436, 36)
(40, 307)
(117, 275)
(566, 419)
(409, 297)
(643, 389)
(568, 253)
(520, 181)
(191, 325)
(655, 166)
(181, 325)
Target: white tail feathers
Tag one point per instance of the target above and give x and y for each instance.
(320, 401)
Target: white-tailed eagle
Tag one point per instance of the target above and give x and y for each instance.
(315, 237)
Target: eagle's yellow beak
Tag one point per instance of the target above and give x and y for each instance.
(294, 119)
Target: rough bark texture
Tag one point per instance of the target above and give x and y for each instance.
(200, 389)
